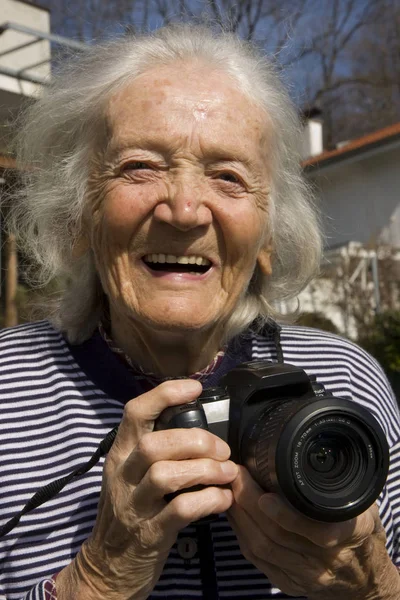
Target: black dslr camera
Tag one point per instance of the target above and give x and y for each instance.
(327, 456)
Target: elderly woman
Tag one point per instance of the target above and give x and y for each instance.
(163, 188)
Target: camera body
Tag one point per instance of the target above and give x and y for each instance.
(327, 456)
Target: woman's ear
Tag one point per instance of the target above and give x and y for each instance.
(264, 260)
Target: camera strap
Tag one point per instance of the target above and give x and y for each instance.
(277, 341)
(50, 490)
(208, 571)
(270, 329)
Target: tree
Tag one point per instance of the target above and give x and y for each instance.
(343, 55)
(382, 340)
(271, 23)
(332, 50)
(375, 57)
(363, 282)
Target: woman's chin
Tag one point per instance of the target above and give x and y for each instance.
(181, 326)
(179, 322)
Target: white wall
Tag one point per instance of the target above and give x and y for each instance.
(360, 198)
(360, 202)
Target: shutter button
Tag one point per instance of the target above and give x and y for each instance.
(187, 548)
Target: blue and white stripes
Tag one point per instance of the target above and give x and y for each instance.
(53, 416)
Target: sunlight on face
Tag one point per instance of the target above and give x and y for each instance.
(179, 206)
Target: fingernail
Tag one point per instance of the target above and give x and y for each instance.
(222, 449)
(228, 494)
(191, 384)
(229, 468)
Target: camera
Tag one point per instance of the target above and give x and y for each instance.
(327, 456)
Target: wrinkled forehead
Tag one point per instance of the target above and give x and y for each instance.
(170, 101)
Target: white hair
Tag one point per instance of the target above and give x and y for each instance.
(58, 138)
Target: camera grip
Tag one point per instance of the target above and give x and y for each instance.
(184, 416)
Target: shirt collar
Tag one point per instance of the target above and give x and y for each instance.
(140, 373)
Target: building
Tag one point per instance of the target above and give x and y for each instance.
(357, 186)
(24, 62)
(25, 68)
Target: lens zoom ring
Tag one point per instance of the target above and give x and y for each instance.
(267, 431)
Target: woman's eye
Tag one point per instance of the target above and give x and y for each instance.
(136, 165)
(230, 177)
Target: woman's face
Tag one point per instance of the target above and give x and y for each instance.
(179, 199)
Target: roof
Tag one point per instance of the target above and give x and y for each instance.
(365, 143)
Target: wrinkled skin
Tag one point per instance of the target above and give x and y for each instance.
(303, 557)
(135, 527)
(185, 172)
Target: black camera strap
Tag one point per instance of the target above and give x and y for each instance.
(208, 572)
(270, 330)
(50, 490)
(277, 329)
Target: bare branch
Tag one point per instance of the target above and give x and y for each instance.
(218, 15)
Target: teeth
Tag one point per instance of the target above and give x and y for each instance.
(182, 260)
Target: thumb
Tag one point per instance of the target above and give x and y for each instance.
(141, 412)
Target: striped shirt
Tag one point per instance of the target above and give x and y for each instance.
(58, 402)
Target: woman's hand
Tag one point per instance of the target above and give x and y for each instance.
(303, 557)
(135, 527)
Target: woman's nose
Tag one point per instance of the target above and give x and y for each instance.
(184, 207)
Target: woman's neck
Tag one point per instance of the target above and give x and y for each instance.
(165, 353)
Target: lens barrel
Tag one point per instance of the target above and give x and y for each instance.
(327, 456)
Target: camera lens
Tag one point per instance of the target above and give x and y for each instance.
(325, 456)
(328, 456)
(334, 462)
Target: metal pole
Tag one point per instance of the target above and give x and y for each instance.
(42, 35)
(19, 47)
(375, 278)
(34, 65)
(10, 308)
(2, 183)
(24, 76)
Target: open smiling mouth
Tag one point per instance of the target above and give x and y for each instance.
(193, 264)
